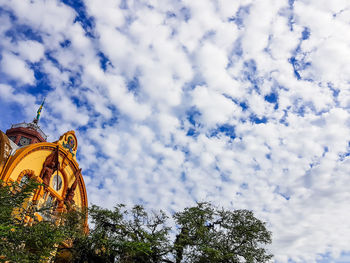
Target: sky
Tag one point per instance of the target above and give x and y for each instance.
(244, 103)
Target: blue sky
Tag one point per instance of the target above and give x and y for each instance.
(242, 103)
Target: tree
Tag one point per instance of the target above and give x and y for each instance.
(124, 236)
(209, 234)
(203, 234)
(23, 238)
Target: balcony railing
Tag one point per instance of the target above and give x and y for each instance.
(31, 126)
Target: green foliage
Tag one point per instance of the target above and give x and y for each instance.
(124, 236)
(203, 234)
(208, 234)
(21, 241)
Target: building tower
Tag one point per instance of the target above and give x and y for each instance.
(25, 153)
(23, 134)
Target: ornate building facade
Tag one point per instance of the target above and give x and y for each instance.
(25, 153)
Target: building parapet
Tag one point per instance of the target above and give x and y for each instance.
(31, 126)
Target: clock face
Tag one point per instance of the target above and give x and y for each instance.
(24, 141)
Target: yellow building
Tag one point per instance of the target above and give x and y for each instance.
(25, 153)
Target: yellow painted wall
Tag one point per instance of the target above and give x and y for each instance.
(33, 161)
(32, 157)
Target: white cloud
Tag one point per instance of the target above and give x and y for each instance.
(108, 14)
(49, 16)
(16, 68)
(8, 93)
(216, 60)
(31, 50)
(26, 101)
(216, 108)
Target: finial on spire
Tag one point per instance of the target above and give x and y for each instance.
(36, 119)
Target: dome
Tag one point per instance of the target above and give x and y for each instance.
(24, 134)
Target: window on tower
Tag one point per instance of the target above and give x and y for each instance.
(24, 141)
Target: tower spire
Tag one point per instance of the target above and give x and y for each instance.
(36, 119)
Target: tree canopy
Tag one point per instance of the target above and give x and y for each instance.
(24, 238)
(202, 234)
(209, 234)
(199, 234)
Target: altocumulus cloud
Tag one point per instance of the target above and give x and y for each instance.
(243, 103)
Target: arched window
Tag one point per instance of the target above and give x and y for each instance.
(24, 177)
(47, 206)
(24, 180)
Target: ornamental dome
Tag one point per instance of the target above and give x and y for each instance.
(23, 134)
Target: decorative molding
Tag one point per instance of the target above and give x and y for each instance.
(67, 159)
(28, 172)
(69, 142)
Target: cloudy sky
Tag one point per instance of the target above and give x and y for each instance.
(240, 102)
